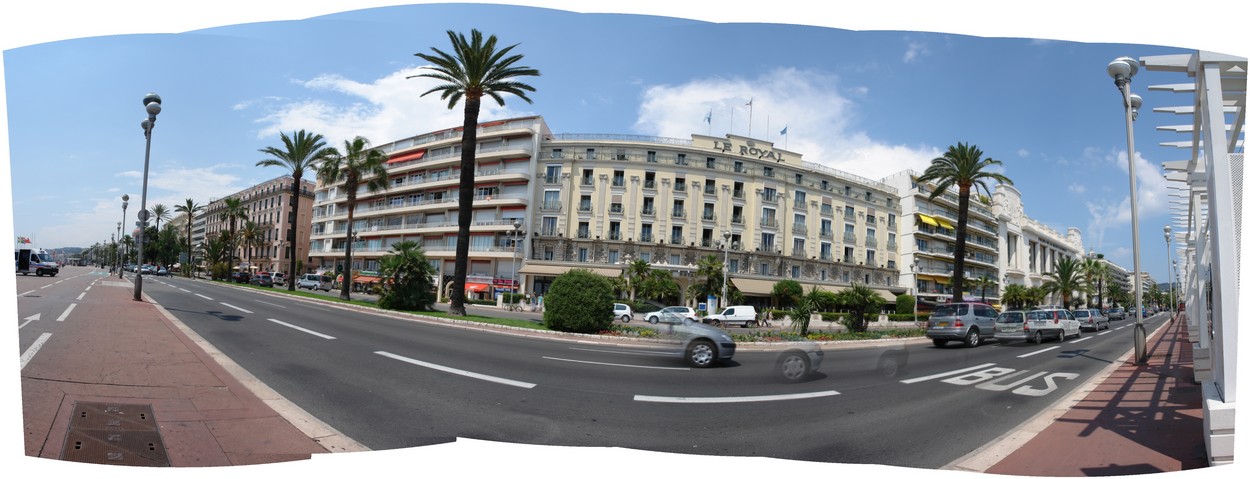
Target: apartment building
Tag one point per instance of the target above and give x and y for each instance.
(269, 205)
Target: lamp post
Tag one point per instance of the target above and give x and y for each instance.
(1167, 236)
(151, 103)
(516, 235)
(121, 263)
(915, 290)
(724, 281)
(1122, 70)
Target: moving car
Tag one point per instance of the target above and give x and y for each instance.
(240, 277)
(315, 281)
(1114, 314)
(161, 271)
(1010, 326)
(1092, 319)
(654, 317)
(799, 362)
(262, 279)
(967, 322)
(702, 346)
(1047, 323)
(622, 312)
(741, 315)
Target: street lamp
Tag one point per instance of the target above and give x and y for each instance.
(152, 103)
(724, 282)
(516, 235)
(122, 257)
(915, 289)
(1167, 236)
(1122, 70)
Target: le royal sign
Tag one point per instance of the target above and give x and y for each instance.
(748, 147)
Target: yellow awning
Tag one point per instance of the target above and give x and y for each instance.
(926, 219)
(945, 224)
(941, 280)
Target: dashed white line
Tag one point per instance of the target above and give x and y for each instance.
(271, 304)
(34, 348)
(80, 295)
(942, 375)
(461, 372)
(636, 353)
(1040, 351)
(66, 313)
(1082, 339)
(202, 296)
(1104, 333)
(236, 307)
(185, 290)
(616, 364)
(26, 293)
(297, 328)
(734, 399)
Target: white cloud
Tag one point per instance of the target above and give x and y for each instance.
(1151, 198)
(914, 51)
(384, 110)
(1075, 188)
(1023, 153)
(820, 121)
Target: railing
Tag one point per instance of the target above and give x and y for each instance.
(826, 233)
(799, 229)
(737, 219)
(709, 216)
(645, 238)
(740, 194)
(709, 190)
(584, 208)
(614, 235)
(551, 179)
(548, 232)
(676, 239)
(848, 237)
(826, 256)
(583, 234)
(891, 245)
(679, 213)
(707, 243)
(551, 206)
(648, 211)
(679, 187)
(588, 181)
(769, 222)
(770, 198)
(648, 184)
(616, 209)
(618, 181)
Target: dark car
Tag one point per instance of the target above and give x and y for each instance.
(240, 277)
(262, 279)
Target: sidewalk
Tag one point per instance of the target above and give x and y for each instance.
(1138, 420)
(89, 392)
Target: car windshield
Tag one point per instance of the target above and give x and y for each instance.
(951, 310)
(1081, 314)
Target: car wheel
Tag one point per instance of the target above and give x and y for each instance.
(715, 322)
(624, 318)
(1037, 337)
(751, 324)
(38, 273)
(1062, 335)
(793, 366)
(701, 353)
(973, 339)
(939, 342)
(653, 320)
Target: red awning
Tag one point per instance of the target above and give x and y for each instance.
(406, 157)
(476, 287)
(367, 279)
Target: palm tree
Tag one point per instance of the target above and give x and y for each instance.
(251, 236)
(159, 212)
(986, 281)
(634, 274)
(190, 209)
(475, 69)
(232, 213)
(1065, 279)
(1117, 294)
(301, 154)
(407, 278)
(659, 285)
(961, 166)
(1015, 296)
(357, 163)
(710, 269)
(861, 300)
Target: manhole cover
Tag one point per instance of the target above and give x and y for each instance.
(121, 434)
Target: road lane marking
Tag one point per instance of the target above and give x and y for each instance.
(45, 286)
(185, 290)
(297, 328)
(66, 313)
(88, 288)
(34, 348)
(202, 296)
(942, 375)
(29, 319)
(461, 372)
(236, 307)
(1082, 339)
(1104, 333)
(1040, 351)
(26, 293)
(80, 295)
(733, 399)
(271, 304)
(616, 364)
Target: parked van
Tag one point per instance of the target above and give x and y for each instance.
(35, 261)
(741, 315)
(315, 281)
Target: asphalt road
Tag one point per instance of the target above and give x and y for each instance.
(394, 383)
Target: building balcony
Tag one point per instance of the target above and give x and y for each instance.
(848, 237)
(583, 234)
(676, 239)
(551, 206)
(708, 216)
(799, 229)
(645, 238)
(739, 194)
(826, 234)
(649, 184)
(614, 235)
(679, 213)
(618, 182)
(584, 208)
(769, 222)
(616, 209)
(648, 211)
(737, 219)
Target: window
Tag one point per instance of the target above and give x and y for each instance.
(650, 157)
(848, 254)
(733, 265)
(770, 195)
(766, 242)
(674, 259)
(794, 271)
(709, 211)
(681, 158)
(620, 154)
(870, 258)
(614, 256)
(711, 162)
(868, 195)
(582, 254)
(798, 178)
(614, 230)
(765, 269)
(849, 213)
(557, 153)
(553, 174)
(846, 190)
(737, 167)
(738, 190)
(549, 225)
(679, 184)
(588, 177)
(800, 198)
(646, 233)
(648, 180)
(584, 204)
(768, 171)
(679, 208)
(583, 230)
(709, 187)
(551, 199)
(648, 206)
(676, 239)
(590, 154)
(826, 251)
(618, 178)
(799, 247)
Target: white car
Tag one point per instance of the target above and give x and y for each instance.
(1056, 323)
(654, 316)
(744, 316)
(622, 312)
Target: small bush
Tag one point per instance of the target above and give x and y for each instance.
(580, 302)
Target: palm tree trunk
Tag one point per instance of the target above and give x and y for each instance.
(468, 158)
(961, 238)
(292, 233)
(345, 293)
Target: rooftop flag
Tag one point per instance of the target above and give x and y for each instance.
(708, 118)
(783, 130)
(23, 240)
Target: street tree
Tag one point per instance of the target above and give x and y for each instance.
(300, 154)
(358, 164)
(190, 209)
(1065, 279)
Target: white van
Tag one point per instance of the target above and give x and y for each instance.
(741, 315)
(315, 281)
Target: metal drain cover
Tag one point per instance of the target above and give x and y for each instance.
(121, 434)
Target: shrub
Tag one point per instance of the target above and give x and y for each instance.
(579, 301)
(904, 304)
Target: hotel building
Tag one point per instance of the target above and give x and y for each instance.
(1041, 245)
(600, 201)
(269, 205)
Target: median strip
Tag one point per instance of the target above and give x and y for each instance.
(734, 399)
(461, 372)
(297, 328)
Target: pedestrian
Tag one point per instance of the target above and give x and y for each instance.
(768, 317)
(540, 302)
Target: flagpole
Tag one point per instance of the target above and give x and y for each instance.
(767, 121)
(731, 119)
(750, 114)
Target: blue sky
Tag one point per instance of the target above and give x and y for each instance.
(870, 103)
(233, 74)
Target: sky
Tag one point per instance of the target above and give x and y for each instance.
(870, 90)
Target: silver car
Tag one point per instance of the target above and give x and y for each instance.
(799, 362)
(654, 316)
(702, 345)
(1092, 319)
(1010, 326)
(965, 322)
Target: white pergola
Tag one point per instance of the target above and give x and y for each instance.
(1205, 196)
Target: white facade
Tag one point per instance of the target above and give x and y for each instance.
(1031, 249)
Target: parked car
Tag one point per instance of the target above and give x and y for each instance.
(654, 317)
(1010, 326)
(240, 277)
(1092, 319)
(1115, 314)
(146, 269)
(315, 281)
(1048, 323)
(262, 279)
(969, 322)
(279, 279)
(622, 312)
(741, 315)
(701, 345)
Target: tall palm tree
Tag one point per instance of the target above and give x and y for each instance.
(961, 166)
(159, 212)
(251, 236)
(190, 209)
(301, 154)
(474, 69)
(232, 213)
(1094, 270)
(1065, 279)
(984, 282)
(1117, 294)
(357, 164)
